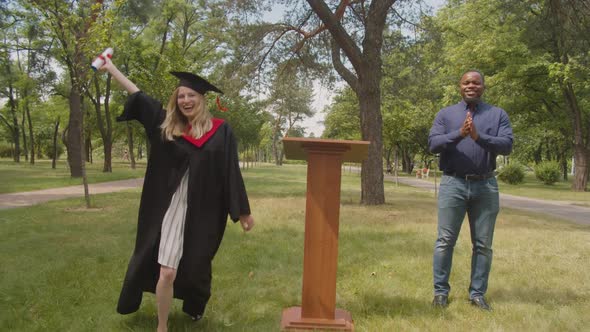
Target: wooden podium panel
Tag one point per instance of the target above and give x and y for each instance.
(295, 148)
(322, 213)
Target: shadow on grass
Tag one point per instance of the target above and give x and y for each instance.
(177, 321)
(140, 320)
(536, 295)
(380, 304)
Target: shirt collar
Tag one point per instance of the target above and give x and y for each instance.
(478, 106)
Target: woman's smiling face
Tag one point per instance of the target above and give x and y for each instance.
(189, 102)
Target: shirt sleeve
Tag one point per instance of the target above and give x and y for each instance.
(236, 196)
(439, 139)
(502, 143)
(145, 109)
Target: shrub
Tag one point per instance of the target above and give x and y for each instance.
(512, 174)
(49, 151)
(6, 151)
(548, 172)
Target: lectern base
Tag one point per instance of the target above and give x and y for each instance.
(292, 320)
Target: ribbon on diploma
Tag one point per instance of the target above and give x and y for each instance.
(110, 56)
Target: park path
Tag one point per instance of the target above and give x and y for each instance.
(562, 210)
(14, 200)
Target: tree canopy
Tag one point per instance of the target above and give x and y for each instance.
(399, 64)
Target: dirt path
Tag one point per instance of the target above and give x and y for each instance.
(562, 210)
(28, 198)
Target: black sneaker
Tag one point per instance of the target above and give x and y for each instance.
(481, 303)
(440, 301)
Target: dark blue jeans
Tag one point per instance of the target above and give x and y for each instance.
(480, 201)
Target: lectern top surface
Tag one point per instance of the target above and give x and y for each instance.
(352, 151)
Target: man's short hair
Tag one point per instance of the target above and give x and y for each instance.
(474, 71)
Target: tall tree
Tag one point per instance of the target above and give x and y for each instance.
(350, 35)
(32, 58)
(9, 20)
(364, 79)
(69, 22)
(566, 24)
(289, 103)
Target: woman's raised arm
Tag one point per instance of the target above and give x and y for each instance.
(118, 76)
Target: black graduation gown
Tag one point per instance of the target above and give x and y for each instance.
(215, 189)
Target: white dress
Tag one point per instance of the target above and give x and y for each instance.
(172, 237)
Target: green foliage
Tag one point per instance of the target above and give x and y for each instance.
(534, 55)
(512, 174)
(245, 118)
(290, 97)
(48, 149)
(535, 58)
(548, 172)
(408, 107)
(6, 151)
(342, 117)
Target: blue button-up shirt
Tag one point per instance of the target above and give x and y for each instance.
(464, 155)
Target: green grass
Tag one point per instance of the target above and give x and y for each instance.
(63, 265)
(25, 177)
(16, 177)
(533, 188)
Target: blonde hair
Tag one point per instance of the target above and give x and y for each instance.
(175, 123)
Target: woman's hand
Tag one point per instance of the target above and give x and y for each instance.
(107, 66)
(110, 67)
(247, 222)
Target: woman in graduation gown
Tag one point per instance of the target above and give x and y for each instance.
(192, 183)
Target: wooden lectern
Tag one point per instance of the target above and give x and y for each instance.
(320, 259)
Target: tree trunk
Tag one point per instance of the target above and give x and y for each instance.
(140, 151)
(407, 165)
(55, 132)
(83, 169)
(15, 127)
(25, 148)
(372, 190)
(581, 148)
(108, 137)
(582, 159)
(31, 137)
(276, 151)
(88, 148)
(108, 157)
(104, 124)
(388, 153)
(564, 168)
(74, 133)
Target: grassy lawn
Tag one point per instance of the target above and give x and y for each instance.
(26, 177)
(62, 266)
(533, 188)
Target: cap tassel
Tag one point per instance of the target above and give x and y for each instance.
(219, 107)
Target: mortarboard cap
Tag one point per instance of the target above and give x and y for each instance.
(195, 82)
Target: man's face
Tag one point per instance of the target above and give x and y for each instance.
(471, 87)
